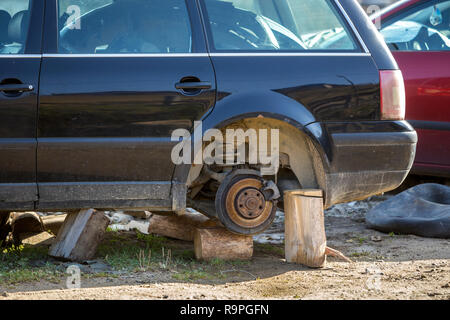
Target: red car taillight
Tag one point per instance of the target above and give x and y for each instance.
(393, 97)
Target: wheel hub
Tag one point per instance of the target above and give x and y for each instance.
(250, 203)
(245, 203)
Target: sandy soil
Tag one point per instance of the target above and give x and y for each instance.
(384, 267)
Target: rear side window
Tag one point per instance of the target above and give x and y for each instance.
(123, 26)
(273, 25)
(14, 23)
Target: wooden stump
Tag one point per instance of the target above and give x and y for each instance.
(80, 235)
(305, 238)
(210, 243)
(179, 227)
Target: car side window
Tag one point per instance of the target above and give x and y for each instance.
(272, 25)
(14, 23)
(422, 29)
(124, 26)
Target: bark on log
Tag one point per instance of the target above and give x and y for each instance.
(80, 236)
(179, 227)
(210, 243)
(305, 238)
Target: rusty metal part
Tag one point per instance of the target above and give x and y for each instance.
(246, 205)
(271, 191)
(250, 203)
(214, 175)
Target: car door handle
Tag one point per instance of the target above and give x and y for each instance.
(193, 85)
(8, 88)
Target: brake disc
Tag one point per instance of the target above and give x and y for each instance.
(242, 202)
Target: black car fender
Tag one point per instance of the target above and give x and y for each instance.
(274, 110)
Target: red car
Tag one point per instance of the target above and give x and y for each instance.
(418, 34)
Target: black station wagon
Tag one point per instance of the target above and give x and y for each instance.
(91, 92)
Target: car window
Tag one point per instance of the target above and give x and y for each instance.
(14, 23)
(421, 29)
(124, 26)
(275, 25)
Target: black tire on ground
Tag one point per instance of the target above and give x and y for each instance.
(228, 195)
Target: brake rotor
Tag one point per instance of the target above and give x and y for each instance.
(246, 205)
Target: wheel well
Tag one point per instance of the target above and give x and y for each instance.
(299, 158)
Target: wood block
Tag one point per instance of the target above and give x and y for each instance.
(22, 222)
(25, 222)
(80, 236)
(210, 243)
(305, 238)
(179, 227)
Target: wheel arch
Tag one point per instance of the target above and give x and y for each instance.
(301, 137)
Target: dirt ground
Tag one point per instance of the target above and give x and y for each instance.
(385, 266)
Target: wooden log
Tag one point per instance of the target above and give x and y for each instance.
(210, 243)
(25, 222)
(305, 238)
(53, 223)
(179, 227)
(80, 236)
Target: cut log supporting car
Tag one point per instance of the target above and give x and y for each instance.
(90, 117)
(305, 238)
(219, 243)
(179, 227)
(25, 223)
(80, 235)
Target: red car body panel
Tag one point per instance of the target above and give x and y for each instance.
(427, 82)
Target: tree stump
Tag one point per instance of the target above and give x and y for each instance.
(305, 238)
(210, 243)
(80, 236)
(179, 227)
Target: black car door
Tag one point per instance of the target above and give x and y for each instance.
(109, 99)
(20, 60)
